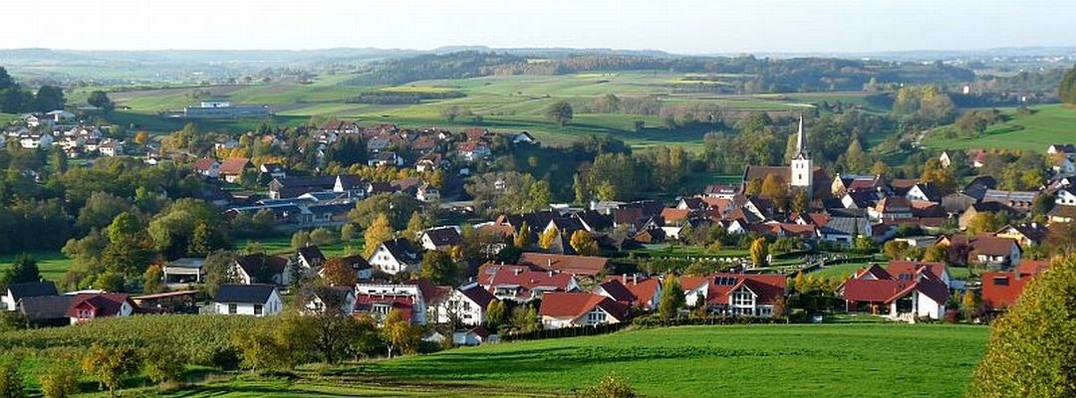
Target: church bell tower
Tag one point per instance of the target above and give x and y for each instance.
(802, 169)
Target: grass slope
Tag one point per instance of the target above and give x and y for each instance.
(1051, 124)
(862, 360)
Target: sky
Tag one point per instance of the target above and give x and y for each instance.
(678, 26)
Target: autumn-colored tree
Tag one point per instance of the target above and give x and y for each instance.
(759, 251)
(109, 365)
(141, 138)
(496, 314)
(934, 173)
(523, 239)
(1030, 352)
(584, 244)
(610, 386)
(548, 238)
(800, 201)
(154, 279)
(380, 230)
(895, 249)
(337, 272)
(936, 253)
(415, 225)
(399, 335)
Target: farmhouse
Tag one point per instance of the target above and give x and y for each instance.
(90, 306)
(19, 291)
(256, 300)
(588, 266)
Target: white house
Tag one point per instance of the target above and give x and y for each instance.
(256, 300)
(565, 310)
(395, 256)
(260, 268)
(467, 304)
(1066, 196)
(90, 306)
(412, 297)
(475, 336)
(320, 300)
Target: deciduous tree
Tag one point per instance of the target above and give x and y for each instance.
(672, 297)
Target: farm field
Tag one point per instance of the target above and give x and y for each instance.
(52, 265)
(509, 103)
(1050, 124)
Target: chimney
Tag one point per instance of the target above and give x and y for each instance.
(624, 278)
(549, 263)
(518, 271)
(634, 279)
(550, 273)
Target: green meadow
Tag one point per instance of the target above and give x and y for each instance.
(832, 360)
(505, 103)
(52, 265)
(1049, 124)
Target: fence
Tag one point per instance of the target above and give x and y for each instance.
(592, 330)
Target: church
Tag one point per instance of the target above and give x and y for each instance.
(800, 175)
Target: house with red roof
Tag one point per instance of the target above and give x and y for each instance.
(522, 283)
(879, 292)
(637, 291)
(232, 169)
(735, 294)
(588, 266)
(87, 307)
(207, 167)
(413, 297)
(575, 309)
(1002, 289)
(907, 270)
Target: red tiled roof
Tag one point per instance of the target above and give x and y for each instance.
(528, 280)
(1032, 267)
(405, 303)
(233, 166)
(1001, 289)
(203, 164)
(897, 268)
(766, 287)
(575, 265)
(574, 305)
(673, 214)
(875, 271)
(102, 304)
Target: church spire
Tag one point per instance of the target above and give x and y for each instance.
(801, 141)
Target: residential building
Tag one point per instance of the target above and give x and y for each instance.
(252, 299)
(577, 309)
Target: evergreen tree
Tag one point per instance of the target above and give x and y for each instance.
(672, 297)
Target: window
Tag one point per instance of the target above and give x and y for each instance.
(257, 309)
(596, 316)
(1001, 281)
(743, 299)
(85, 313)
(232, 309)
(380, 309)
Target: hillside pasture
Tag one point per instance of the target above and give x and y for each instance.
(1049, 124)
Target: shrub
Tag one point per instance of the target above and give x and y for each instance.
(11, 381)
(59, 381)
(610, 386)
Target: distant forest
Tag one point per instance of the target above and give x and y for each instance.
(748, 74)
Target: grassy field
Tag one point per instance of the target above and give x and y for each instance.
(52, 265)
(509, 103)
(1050, 124)
(281, 245)
(839, 270)
(862, 360)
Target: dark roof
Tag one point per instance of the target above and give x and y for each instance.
(402, 250)
(618, 291)
(45, 307)
(444, 236)
(31, 289)
(480, 296)
(253, 294)
(252, 263)
(312, 254)
(357, 262)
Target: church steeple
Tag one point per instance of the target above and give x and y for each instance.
(801, 142)
(802, 169)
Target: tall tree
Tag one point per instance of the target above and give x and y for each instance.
(760, 251)
(100, 100)
(49, 98)
(560, 112)
(23, 270)
(379, 231)
(672, 297)
(399, 335)
(438, 267)
(584, 244)
(339, 273)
